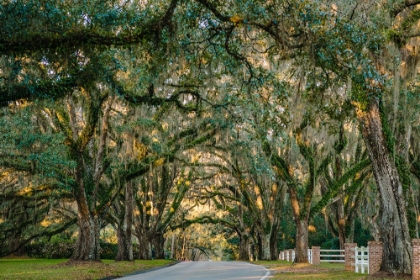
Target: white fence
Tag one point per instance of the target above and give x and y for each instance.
(361, 259)
(357, 258)
(331, 256)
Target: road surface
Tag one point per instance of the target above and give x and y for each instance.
(205, 270)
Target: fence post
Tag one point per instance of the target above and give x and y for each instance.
(316, 255)
(310, 256)
(415, 259)
(291, 257)
(375, 256)
(349, 256)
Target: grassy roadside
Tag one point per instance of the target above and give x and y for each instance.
(49, 269)
(288, 271)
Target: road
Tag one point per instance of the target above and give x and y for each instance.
(205, 270)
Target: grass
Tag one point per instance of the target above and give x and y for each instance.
(288, 271)
(49, 269)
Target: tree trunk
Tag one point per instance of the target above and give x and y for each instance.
(393, 221)
(301, 242)
(172, 246)
(15, 247)
(274, 254)
(124, 231)
(87, 245)
(265, 243)
(158, 243)
(243, 248)
(260, 247)
(145, 250)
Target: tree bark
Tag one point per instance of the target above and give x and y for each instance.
(274, 254)
(266, 248)
(269, 246)
(243, 248)
(301, 242)
(145, 248)
(393, 221)
(158, 243)
(87, 245)
(124, 231)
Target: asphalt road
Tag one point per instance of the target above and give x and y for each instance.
(205, 270)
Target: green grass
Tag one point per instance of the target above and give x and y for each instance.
(48, 269)
(287, 271)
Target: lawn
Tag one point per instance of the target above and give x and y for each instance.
(288, 271)
(49, 269)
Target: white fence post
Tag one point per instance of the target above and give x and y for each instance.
(310, 256)
(361, 259)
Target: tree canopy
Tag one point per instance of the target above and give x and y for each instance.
(132, 115)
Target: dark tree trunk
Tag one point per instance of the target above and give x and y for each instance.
(87, 245)
(260, 247)
(145, 250)
(243, 248)
(393, 221)
(301, 242)
(16, 247)
(124, 231)
(158, 243)
(274, 254)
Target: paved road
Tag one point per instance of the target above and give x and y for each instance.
(205, 270)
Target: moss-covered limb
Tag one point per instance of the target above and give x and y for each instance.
(404, 31)
(48, 232)
(35, 194)
(352, 204)
(63, 123)
(398, 8)
(152, 99)
(45, 89)
(93, 111)
(176, 203)
(210, 194)
(282, 170)
(64, 28)
(285, 38)
(206, 220)
(16, 162)
(337, 184)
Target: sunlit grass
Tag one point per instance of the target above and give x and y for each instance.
(40, 269)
